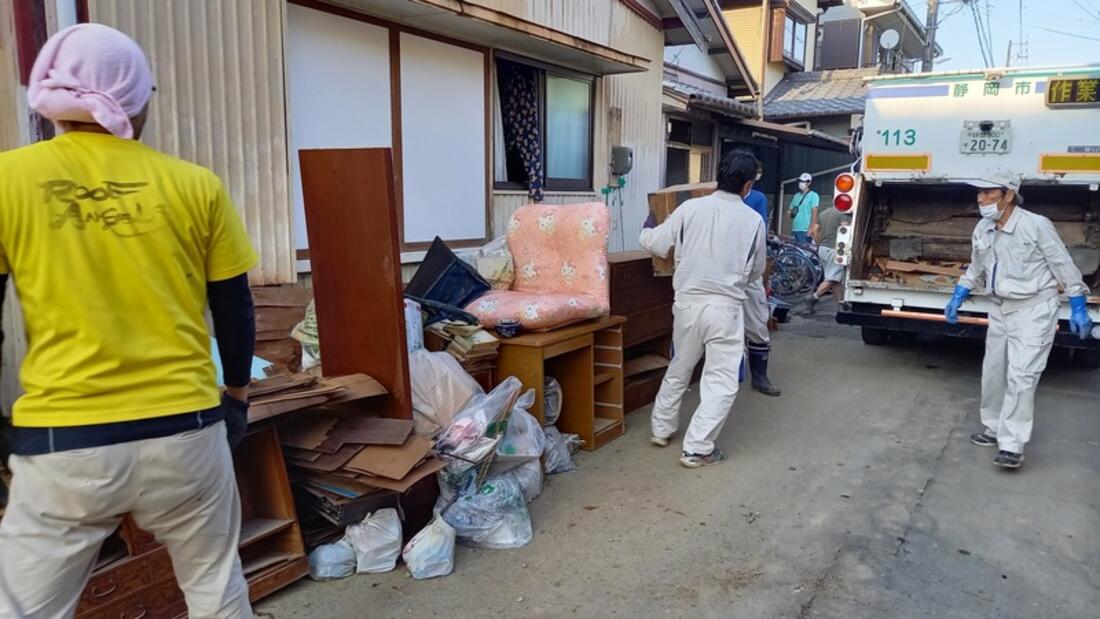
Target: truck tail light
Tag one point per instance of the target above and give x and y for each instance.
(843, 202)
(845, 183)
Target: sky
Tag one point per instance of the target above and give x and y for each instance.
(1076, 42)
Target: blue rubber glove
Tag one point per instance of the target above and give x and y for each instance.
(650, 222)
(952, 309)
(1079, 321)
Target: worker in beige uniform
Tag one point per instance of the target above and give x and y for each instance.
(824, 233)
(720, 250)
(1019, 261)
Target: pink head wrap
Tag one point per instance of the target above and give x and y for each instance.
(91, 73)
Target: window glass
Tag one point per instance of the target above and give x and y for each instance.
(788, 36)
(568, 103)
(800, 42)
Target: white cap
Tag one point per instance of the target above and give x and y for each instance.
(806, 178)
(997, 178)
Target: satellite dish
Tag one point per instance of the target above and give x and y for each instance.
(889, 39)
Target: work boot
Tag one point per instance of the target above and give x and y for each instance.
(758, 365)
(811, 305)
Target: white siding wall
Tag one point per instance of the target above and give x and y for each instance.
(693, 59)
(219, 72)
(627, 109)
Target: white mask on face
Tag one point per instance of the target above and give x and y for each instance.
(759, 175)
(803, 186)
(990, 211)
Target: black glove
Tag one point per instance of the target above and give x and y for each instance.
(236, 419)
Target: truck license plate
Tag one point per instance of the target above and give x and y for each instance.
(977, 142)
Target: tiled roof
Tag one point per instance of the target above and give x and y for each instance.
(818, 93)
(704, 99)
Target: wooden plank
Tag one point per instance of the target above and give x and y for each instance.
(353, 239)
(546, 338)
(256, 529)
(920, 267)
(643, 364)
(603, 378)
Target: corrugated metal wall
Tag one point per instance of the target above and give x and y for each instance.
(220, 103)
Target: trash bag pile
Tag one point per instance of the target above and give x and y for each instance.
(497, 454)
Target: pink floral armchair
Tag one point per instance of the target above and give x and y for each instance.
(560, 255)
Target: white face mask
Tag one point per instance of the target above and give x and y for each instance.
(803, 186)
(759, 176)
(990, 211)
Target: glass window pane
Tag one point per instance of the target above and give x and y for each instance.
(800, 42)
(788, 36)
(568, 103)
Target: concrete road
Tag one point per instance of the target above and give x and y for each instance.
(855, 494)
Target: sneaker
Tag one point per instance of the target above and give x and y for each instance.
(1008, 460)
(694, 461)
(658, 441)
(811, 306)
(981, 439)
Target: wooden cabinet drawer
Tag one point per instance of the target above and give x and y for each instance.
(124, 578)
(159, 600)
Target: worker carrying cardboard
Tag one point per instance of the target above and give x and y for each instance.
(115, 250)
(1019, 261)
(720, 251)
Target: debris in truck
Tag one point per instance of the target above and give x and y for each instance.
(950, 270)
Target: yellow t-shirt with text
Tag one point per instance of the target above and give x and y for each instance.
(110, 245)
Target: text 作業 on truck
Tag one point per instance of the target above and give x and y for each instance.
(912, 213)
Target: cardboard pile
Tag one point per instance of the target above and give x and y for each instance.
(661, 204)
(347, 465)
(287, 393)
(919, 274)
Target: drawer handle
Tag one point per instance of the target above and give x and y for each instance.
(144, 611)
(99, 595)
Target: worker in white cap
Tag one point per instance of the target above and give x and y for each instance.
(1019, 262)
(803, 209)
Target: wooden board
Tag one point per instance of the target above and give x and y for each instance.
(549, 338)
(918, 267)
(643, 364)
(351, 214)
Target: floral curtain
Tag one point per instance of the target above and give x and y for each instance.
(518, 86)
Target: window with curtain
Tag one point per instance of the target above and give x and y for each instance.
(543, 129)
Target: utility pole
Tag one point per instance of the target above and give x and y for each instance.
(930, 34)
(1008, 55)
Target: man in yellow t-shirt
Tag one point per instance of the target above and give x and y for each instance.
(115, 251)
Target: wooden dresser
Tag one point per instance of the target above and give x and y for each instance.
(134, 577)
(646, 302)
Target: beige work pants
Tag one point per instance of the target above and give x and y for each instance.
(718, 332)
(62, 506)
(1017, 345)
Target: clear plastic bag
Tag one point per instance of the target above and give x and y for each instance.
(552, 398)
(523, 438)
(529, 477)
(494, 516)
(476, 430)
(558, 454)
(431, 552)
(376, 540)
(494, 263)
(332, 561)
(440, 388)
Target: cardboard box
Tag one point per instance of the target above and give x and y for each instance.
(661, 204)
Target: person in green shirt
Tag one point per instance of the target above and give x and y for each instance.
(803, 209)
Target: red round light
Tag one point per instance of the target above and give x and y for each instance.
(843, 203)
(845, 182)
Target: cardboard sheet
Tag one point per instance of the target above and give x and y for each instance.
(428, 467)
(391, 462)
(305, 455)
(373, 430)
(327, 463)
(307, 432)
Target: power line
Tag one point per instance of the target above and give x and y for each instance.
(1046, 29)
(1087, 10)
(981, 37)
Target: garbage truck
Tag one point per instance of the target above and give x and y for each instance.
(912, 213)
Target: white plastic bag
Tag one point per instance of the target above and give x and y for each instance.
(332, 561)
(552, 398)
(431, 552)
(558, 454)
(494, 263)
(529, 478)
(440, 388)
(494, 516)
(376, 540)
(523, 439)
